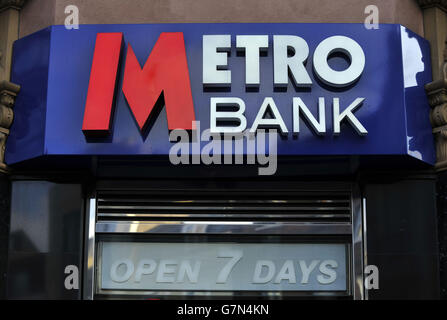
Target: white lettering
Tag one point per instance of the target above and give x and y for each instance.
(318, 126)
(348, 114)
(145, 267)
(125, 276)
(237, 115)
(215, 62)
(307, 270)
(187, 270)
(257, 277)
(326, 268)
(287, 272)
(275, 121)
(166, 271)
(339, 44)
(290, 53)
(252, 45)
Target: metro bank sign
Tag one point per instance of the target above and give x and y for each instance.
(166, 72)
(329, 89)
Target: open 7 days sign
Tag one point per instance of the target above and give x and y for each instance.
(328, 89)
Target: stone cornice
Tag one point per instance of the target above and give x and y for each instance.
(16, 4)
(442, 4)
(437, 95)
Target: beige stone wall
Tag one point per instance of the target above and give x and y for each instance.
(8, 34)
(435, 25)
(38, 14)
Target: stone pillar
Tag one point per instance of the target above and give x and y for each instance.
(9, 32)
(435, 31)
(8, 92)
(437, 96)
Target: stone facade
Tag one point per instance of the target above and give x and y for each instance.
(435, 24)
(9, 32)
(8, 93)
(426, 17)
(38, 14)
(435, 13)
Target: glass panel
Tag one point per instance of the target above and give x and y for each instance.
(45, 237)
(263, 267)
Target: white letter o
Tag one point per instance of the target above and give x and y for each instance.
(344, 45)
(126, 276)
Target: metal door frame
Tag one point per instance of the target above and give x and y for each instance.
(357, 231)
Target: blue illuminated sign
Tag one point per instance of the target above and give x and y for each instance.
(330, 89)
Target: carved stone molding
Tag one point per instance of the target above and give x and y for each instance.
(437, 98)
(424, 4)
(8, 94)
(7, 4)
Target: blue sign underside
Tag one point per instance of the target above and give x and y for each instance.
(53, 68)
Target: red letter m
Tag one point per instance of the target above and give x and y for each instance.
(165, 72)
